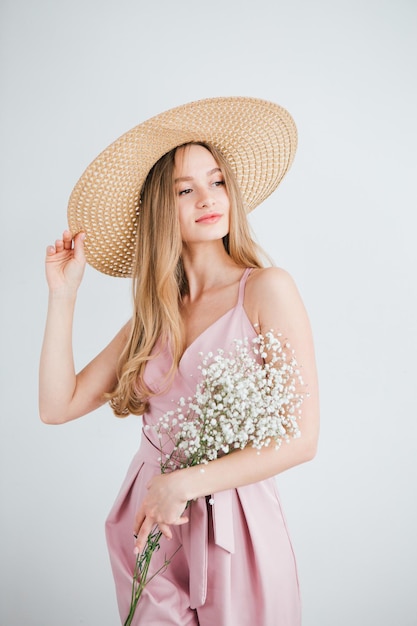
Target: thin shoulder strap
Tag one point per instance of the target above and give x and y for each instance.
(242, 284)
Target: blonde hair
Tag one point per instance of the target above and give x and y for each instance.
(159, 278)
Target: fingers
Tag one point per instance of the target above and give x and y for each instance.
(67, 242)
(180, 521)
(79, 247)
(165, 530)
(138, 524)
(142, 530)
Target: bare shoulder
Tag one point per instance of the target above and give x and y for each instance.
(272, 298)
(271, 282)
(272, 285)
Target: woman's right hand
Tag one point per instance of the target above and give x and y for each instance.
(65, 262)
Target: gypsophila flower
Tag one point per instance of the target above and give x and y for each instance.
(249, 396)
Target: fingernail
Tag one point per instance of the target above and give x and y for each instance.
(136, 550)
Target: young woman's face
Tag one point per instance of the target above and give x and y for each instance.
(202, 199)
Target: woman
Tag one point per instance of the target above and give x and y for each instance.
(199, 284)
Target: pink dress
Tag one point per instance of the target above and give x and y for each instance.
(236, 566)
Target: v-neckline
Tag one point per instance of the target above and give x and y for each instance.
(219, 319)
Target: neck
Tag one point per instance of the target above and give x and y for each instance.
(207, 265)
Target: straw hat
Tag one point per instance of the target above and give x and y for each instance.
(258, 139)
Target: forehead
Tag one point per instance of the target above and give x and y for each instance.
(193, 157)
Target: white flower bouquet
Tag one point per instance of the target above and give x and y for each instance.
(249, 396)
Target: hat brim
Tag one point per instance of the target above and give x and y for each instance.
(258, 138)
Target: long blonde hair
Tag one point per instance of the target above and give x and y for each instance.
(159, 279)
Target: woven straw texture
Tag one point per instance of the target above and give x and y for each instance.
(257, 137)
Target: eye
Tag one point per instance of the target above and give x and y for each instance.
(184, 192)
(218, 183)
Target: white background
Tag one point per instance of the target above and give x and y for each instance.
(75, 74)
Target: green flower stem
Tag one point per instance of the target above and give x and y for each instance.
(140, 574)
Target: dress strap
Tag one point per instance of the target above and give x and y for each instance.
(242, 285)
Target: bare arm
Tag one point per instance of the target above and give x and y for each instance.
(64, 395)
(273, 302)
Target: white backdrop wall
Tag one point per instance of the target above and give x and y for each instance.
(75, 74)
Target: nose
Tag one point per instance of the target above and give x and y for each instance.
(205, 200)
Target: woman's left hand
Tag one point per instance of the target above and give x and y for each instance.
(164, 504)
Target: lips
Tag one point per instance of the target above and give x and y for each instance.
(209, 218)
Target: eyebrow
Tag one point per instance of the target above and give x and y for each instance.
(209, 173)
